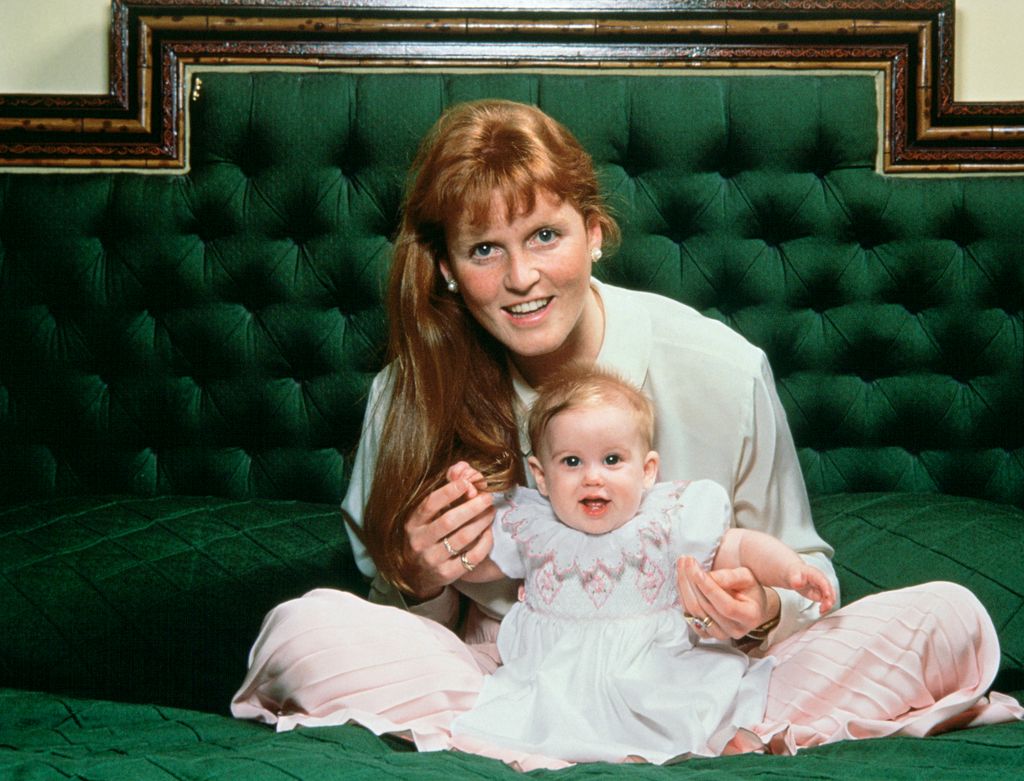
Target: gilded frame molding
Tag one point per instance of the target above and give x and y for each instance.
(140, 122)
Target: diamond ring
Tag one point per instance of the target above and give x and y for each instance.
(448, 547)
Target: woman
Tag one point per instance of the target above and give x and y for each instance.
(491, 292)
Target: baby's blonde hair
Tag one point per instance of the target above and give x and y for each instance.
(587, 385)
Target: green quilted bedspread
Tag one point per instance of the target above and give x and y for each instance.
(60, 738)
(187, 580)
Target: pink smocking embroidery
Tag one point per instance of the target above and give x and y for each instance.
(649, 580)
(547, 582)
(598, 586)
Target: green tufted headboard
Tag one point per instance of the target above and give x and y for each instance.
(215, 332)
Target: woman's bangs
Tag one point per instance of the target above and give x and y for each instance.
(472, 189)
(518, 189)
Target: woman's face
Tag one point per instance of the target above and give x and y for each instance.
(527, 282)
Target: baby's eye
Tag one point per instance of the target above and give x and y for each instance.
(547, 235)
(612, 459)
(571, 460)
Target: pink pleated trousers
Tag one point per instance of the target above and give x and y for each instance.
(911, 662)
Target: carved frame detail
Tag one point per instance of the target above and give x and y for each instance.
(139, 123)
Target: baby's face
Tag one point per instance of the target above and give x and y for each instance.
(594, 467)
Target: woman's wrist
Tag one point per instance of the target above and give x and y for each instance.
(418, 598)
(443, 607)
(774, 612)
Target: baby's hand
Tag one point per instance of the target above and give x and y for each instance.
(812, 583)
(472, 478)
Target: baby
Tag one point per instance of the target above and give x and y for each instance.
(599, 663)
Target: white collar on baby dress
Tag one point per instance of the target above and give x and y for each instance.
(530, 520)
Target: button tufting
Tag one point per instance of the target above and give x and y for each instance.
(265, 266)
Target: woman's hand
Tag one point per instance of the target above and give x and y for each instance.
(450, 532)
(733, 599)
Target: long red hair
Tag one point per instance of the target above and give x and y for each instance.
(452, 396)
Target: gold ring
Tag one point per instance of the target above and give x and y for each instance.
(466, 563)
(703, 624)
(448, 547)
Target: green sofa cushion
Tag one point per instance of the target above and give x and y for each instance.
(60, 737)
(154, 599)
(158, 599)
(50, 737)
(215, 332)
(889, 541)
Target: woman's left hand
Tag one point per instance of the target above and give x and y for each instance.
(733, 599)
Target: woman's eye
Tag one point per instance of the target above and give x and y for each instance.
(612, 459)
(571, 460)
(482, 251)
(546, 235)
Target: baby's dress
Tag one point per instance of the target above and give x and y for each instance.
(599, 663)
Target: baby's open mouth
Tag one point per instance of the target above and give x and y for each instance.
(594, 505)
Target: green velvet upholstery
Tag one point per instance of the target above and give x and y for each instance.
(893, 540)
(155, 599)
(101, 741)
(184, 361)
(214, 333)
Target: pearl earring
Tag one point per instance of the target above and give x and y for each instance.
(595, 254)
(453, 286)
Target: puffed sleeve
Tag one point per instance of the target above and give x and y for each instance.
(770, 495)
(701, 514)
(505, 553)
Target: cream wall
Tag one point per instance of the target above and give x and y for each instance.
(61, 46)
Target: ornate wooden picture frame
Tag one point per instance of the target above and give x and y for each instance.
(140, 122)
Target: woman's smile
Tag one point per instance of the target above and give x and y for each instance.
(524, 310)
